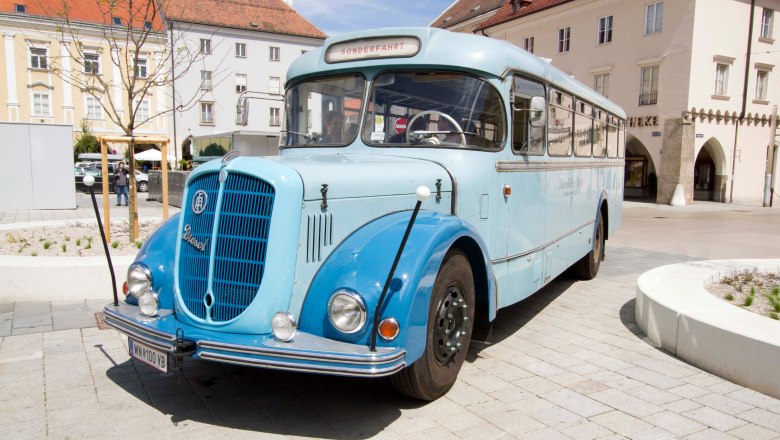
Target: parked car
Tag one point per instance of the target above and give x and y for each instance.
(141, 179)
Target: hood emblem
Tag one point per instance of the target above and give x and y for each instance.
(199, 201)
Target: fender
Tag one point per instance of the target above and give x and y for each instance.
(362, 262)
(158, 255)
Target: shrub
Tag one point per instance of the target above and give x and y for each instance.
(774, 315)
(46, 245)
(114, 244)
(64, 247)
(730, 297)
(138, 244)
(748, 301)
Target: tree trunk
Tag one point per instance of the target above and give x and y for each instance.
(132, 206)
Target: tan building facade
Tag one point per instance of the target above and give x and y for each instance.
(697, 86)
(40, 82)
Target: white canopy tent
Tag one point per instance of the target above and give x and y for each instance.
(153, 155)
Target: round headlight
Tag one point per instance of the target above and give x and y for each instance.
(149, 303)
(139, 280)
(346, 311)
(283, 326)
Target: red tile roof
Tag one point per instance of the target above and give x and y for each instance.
(273, 16)
(463, 10)
(526, 7)
(81, 11)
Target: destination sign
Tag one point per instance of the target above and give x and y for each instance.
(372, 48)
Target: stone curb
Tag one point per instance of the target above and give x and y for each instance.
(676, 312)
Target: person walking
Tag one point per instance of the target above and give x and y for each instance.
(121, 180)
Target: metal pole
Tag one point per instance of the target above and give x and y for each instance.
(105, 245)
(390, 275)
(770, 160)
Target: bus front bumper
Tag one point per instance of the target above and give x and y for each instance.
(305, 353)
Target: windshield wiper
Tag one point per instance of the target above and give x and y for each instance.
(307, 136)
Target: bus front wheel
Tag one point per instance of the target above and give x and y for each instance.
(588, 266)
(450, 321)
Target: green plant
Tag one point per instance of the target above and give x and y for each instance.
(64, 247)
(753, 291)
(774, 315)
(86, 142)
(78, 242)
(34, 254)
(67, 238)
(730, 297)
(749, 301)
(47, 245)
(776, 291)
(114, 244)
(138, 244)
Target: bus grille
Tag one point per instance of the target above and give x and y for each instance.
(239, 245)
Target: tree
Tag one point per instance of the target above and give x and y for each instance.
(133, 32)
(86, 142)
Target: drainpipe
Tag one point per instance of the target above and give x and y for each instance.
(744, 98)
(173, 93)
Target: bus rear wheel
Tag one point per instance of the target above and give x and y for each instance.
(450, 321)
(588, 267)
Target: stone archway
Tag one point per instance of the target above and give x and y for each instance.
(710, 174)
(640, 179)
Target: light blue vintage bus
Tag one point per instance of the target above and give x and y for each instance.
(293, 263)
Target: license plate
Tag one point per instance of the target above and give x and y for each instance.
(155, 358)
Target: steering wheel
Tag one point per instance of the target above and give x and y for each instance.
(437, 141)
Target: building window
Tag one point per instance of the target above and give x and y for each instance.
(528, 44)
(273, 84)
(274, 54)
(117, 21)
(564, 37)
(38, 58)
(762, 83)
(142, 111)
(206, 112)
(147, 25)
(141, 68)
(41, 105)
(274, 120)
(205, 79)
(654, 18)
(767, 19)
(722, 79)
(240, 82)
(601, 84)
(21, 9)
(241, 50)
(605, 29)
(93, 108)
(92, 63)
(205, 45)
(649, 93)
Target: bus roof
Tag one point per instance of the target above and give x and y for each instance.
(439, 48)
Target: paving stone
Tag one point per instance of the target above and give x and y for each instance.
(625, 402)
(689, 391)
(723, 403)
(710, 434)
(755, 398)
(544, 369)
(515, 423)
(753, 432)
(653, 395)
(556, 417)
(675, 423)
(621, 423)
(537, 385)
(586, 430)
(714, 418)
(650, 377)
(576, 403)
(587, 387)
(762, 417)
(654, 433)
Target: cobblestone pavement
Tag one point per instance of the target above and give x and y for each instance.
(568, 362)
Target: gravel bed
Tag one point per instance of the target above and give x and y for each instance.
(756, 292)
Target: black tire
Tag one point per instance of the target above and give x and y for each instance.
(448, 335)
(143, 187)
(588, 267)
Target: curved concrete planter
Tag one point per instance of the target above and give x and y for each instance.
(59, 278)
(677, 313)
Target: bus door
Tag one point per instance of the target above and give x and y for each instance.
(527, 182)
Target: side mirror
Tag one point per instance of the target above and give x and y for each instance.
(538, 108)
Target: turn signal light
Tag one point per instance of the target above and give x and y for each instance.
(388, 329)
(507, 190)
(125, 289)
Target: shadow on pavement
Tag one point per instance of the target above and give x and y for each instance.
(266, 401)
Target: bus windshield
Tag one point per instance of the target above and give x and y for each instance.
(446, 109)
(323, 111)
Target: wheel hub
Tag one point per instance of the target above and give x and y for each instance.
(450, 326)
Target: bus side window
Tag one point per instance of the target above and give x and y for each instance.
(560, 124)
(528, 116)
